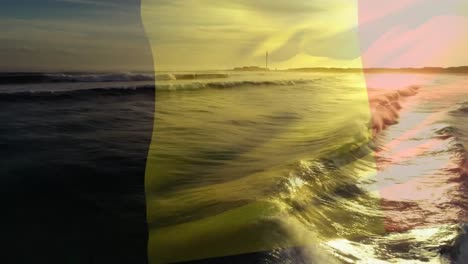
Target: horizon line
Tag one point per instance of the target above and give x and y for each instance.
(240, 68)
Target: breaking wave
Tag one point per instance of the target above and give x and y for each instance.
(385, 106)
(134, 89)
(230, 84)
(72, 94)
(18, 78)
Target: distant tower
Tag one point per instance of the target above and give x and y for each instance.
(266, 60)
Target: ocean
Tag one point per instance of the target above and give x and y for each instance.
(72, 164)
(271, 166)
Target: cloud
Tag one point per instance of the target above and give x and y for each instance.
(243, 30)
(423, 33)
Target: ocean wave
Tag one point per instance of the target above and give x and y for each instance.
(460, 108)
(121, 90)
(117, 77)
(457, 252)
(385, 106)
(446, 131)
(189, 76)
(18, 78)
(109, 91)
(21, 78)
(196, 76)
(230, 84)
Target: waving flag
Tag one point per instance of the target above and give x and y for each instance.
(205, 203)
(234, 131)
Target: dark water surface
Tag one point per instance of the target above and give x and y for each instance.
(72, 177)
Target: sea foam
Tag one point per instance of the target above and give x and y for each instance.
(385, 106)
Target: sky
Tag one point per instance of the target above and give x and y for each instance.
(304, 33)
(126, 35)
(214, 34)
(73, 35)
